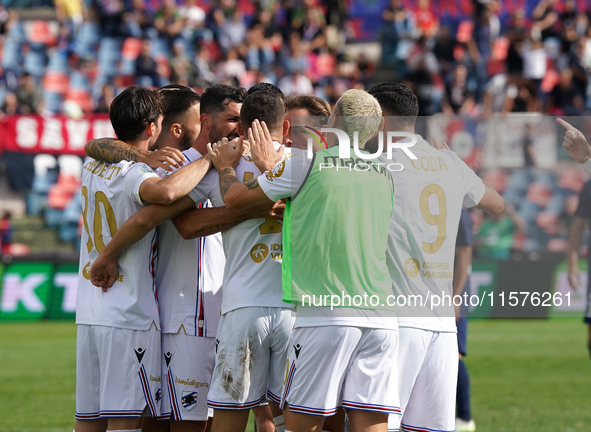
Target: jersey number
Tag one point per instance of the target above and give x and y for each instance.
(437, 220)
(271, 225)
(99, 198)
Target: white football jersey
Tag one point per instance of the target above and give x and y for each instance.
(429, 193)
(253, 248)
(189, 276)
(111, 196)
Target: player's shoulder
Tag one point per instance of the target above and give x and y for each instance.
(192, 154)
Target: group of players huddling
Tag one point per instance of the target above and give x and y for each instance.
(188, 323)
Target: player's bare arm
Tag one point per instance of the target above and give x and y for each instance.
(575, 144)
(262, 150)
(104, 270)
(572, 256)
(491, 201)
(235, 194)
(201, 222)
(112, 150)
(166, 190)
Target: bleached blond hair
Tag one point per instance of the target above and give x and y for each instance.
(359, 112)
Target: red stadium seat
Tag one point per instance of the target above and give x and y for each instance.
(58, 197)
(56, 82)
(81, 97)
(69, 183)
(40, 32)
(131, 48)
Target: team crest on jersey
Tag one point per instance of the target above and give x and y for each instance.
(259, 252)
(189, 400)
(86, 271)
(145, 169)
(277, 171)
(158, 395)
(411, 267)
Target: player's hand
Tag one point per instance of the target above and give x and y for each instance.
(103, 273)
(262, 150)
(574, 277)
(164, 158)
(440, 145)
(265, 210)
(225, 153)
(574, 143)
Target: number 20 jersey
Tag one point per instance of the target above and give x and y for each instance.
(110, 194)
(429, 193)
(253, 248)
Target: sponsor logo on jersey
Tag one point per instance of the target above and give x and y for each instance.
(411, 267)
(86, 271)
(191, 382)
(259, 252)
(167, 357)
(297, 348)
(277, 171)
(145, 169)
(139, 353)
(189, 400)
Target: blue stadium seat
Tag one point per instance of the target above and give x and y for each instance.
(127, 67)
(34, 63)
(556, 204)
(36, 203)
(68, 232)
(79, 80)
(53, 102)
(58, 62)
(86, 39)
(11, 55)
(42, 183)
(529, 211)
(73, 210)
(53, 217)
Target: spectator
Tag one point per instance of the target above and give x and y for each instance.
(458, 99)
(104, 102)
(233, 32)
(495, 237)
(169, 22)
(296, 83)
(6, 233)
(29, 95)
(564, 99)
(145, 67)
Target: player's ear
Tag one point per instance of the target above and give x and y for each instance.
(382, 124)
(285, 128)
(205, 120)
(151, 129)
(176, 130)
(240, 130)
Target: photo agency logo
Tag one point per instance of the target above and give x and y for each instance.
(362, 160)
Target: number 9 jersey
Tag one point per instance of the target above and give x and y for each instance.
(110, 194)
(429, 193)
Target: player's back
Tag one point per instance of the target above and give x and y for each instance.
(111, 196)
(253, 248)
(429, 193)
(189, 276)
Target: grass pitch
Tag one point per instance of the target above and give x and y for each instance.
(527, 375)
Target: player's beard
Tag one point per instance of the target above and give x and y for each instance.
(186, 142)
(216, 135)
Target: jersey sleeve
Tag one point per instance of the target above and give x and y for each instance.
(205, 188)
(134, 176)
(584, 207)
(286, 178)
(473, 185)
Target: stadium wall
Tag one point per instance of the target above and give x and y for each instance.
(46, 289)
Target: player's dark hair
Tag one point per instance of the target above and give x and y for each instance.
(266, 87)
(396, 99)
(214, 98)
(318, 108)
(263, 106)
(176, 102)
(133, 110)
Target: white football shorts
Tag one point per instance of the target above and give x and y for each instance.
(187, 364)
(251, 355)
(428, 374)
(117, 372)
(334, 366)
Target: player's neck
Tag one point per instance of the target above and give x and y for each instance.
(201, 142)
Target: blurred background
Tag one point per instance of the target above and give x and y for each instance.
(490, 77)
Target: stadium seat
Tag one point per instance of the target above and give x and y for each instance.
(53, 217)
(58, 62)
(69, 183)
(36, 202)
(539, 193)
(56, 82)
(53, 102)
(68, 232)
(81, 97)
(528, 211)
(70, 165)
(40, 32)
(79, 81)
(131, 48)
(11, 55)
(58, 198)
(34, 63)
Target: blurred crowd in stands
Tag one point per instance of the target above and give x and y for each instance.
(464, 57)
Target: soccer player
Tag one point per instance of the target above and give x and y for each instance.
(461, 283)
(251, 283)
(118, 342)
(317, 111)
(580, 218)
(430, 192)
(335, 245)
